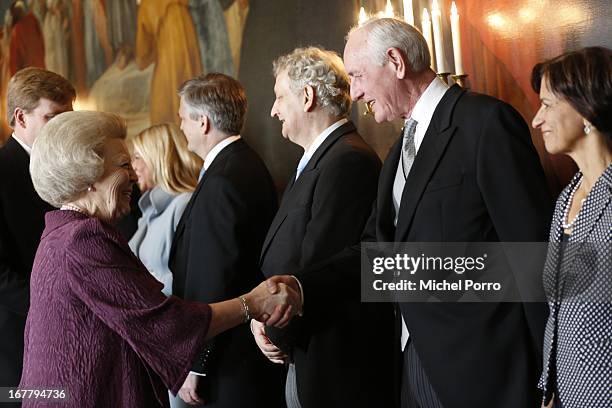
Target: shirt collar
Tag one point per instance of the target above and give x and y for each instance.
(316, 144)
(210, 157)
(321, 138)
(27, 148)
(427, 103)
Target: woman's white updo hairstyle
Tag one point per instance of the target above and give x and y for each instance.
(68, 154)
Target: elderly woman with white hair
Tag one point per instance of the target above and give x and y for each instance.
(99, 326)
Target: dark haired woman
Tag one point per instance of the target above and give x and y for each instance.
(575, 119)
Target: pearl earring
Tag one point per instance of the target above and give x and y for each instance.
(90, 188)
(587, 129)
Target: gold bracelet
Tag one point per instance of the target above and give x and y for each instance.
(247, 317)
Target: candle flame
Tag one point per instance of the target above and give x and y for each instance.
(435, 9)
(408, 13)
(389, 9)
(363, 17)
(454, 10)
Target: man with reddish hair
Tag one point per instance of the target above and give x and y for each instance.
(34, 96)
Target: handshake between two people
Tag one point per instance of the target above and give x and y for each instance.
(275, 301)
(267, 347)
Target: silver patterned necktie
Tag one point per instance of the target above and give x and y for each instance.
(408, 148)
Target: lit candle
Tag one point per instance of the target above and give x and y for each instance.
(408, 14)
(389, 9)
(436, 21)
(426, 29)
(454, 20)
(362, 16)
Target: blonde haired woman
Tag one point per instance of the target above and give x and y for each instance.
(167, 174)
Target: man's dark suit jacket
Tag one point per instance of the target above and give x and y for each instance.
(22, 221)
(324, 211)
(476, 177)
(215, 257)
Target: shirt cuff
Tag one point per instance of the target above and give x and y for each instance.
(198, 374)
(301, 312)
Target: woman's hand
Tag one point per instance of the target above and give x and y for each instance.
(273, 306)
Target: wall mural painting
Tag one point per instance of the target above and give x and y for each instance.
(123, 56)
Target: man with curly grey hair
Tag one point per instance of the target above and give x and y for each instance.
(324, 209)
(34, 96)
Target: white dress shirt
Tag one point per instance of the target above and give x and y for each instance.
(214, 152)
(423, 112)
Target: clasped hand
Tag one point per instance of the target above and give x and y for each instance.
(275, 301)
(273, 353)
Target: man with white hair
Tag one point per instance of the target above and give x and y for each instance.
(464, 170)
(34, 96)
(324, 209)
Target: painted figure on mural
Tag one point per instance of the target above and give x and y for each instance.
(77, 47)
(27, 47)
(38, 8)
(166, 36)
(121, 15)
(54, 33)
(212, 35)
(98, 52)
(124, 89)
(235, 12)
(5, 41)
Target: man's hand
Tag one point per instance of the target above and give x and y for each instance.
(274, 283)
(275, 308)
(188, 390)
(273, 353)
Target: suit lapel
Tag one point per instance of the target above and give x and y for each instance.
(437, 136)
(329, 142)
(593, 208)
(214, 168)
(590, 214)
(312, 164)
(180, 228)
(385, 210)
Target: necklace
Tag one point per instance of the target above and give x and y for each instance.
(565, 223)
(73, 208)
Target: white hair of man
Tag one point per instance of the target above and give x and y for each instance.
(68, 154)
(324, 71)
(385, 33)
